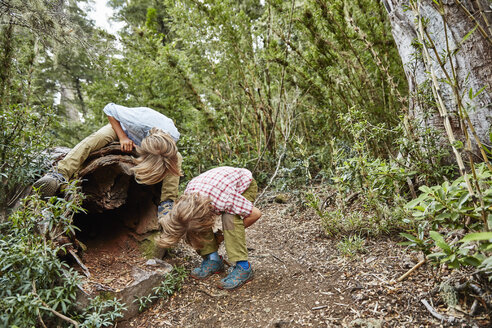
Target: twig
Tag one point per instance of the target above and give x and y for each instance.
(437, 315)
(46, 306)
(79, 261)
(273, 176)
(44, 325)
(319, 307)
(104, 287)
(277, 258)
(474, 307)
(412, 188)
(409, 272)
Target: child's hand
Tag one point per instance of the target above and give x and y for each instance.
(126, 144)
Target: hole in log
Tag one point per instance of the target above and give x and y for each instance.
(118, 228)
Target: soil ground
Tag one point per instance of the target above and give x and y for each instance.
(302, 280)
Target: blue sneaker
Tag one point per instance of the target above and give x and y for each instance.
(236, 278)
(208, 268)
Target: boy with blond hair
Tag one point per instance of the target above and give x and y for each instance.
(226, 191)
(152, 134)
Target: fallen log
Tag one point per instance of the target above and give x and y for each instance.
(117, 230)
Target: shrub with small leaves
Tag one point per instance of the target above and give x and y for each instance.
(35, 282)
(450, 207)
(24, 138)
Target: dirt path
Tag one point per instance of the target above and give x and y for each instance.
(302, 281)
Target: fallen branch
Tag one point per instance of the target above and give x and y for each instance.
(437, 315)
(79, 261)
(409, 272)
(46, 306)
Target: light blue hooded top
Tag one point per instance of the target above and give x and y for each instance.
(137, 121)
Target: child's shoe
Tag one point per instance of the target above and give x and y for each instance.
(49, 184)
(208, 268)
(236, 278)
(165, 207)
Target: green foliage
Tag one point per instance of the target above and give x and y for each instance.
(33, 278)
(450, 207)
(351, 245)
(424, 154)
(451, 204)
(171, 284)
(377, 187)
(248, 83)
(24, 137)
(101, 313)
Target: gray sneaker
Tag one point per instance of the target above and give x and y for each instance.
(49, 184)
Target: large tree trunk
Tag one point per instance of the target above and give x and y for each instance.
(472, 61)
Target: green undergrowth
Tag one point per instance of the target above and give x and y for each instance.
(37, 286)
(453, 224)
(171, 284)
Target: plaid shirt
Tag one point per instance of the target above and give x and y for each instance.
(224, 185)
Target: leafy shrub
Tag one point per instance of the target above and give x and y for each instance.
(35, 282)
(23, 140)
(351, 245)
(451, 205)
(373, 187)
(445, 210)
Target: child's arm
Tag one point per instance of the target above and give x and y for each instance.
(252, 218)
(125, 142)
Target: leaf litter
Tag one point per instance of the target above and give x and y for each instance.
(302, 280)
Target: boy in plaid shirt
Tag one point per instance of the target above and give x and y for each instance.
(225, 191)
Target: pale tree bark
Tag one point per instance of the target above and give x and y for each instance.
(67, 99)
(445, 26)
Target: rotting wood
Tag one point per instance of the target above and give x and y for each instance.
(108, 160)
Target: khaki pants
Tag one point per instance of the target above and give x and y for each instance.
(234, 232)
(76, 157)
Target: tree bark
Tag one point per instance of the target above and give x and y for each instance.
(110, 189)
(471, 59)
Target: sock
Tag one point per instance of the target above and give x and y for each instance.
(243, 264)
(214, 257)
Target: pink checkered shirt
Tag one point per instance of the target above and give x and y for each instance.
(224, 185)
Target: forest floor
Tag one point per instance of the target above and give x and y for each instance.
(302, 280)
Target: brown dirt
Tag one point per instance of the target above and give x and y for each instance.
(301, 280)
(111, 256)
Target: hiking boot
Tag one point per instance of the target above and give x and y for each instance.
(49, 184)
(236, 278)
(208, 268)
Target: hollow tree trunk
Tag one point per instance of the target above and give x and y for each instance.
(109, 187)
(471, 58)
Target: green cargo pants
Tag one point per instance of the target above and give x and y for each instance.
(75, 158)
(234, 232)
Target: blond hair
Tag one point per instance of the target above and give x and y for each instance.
(157, 157)
(192, 216)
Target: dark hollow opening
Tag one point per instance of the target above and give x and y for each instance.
(120, 215)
